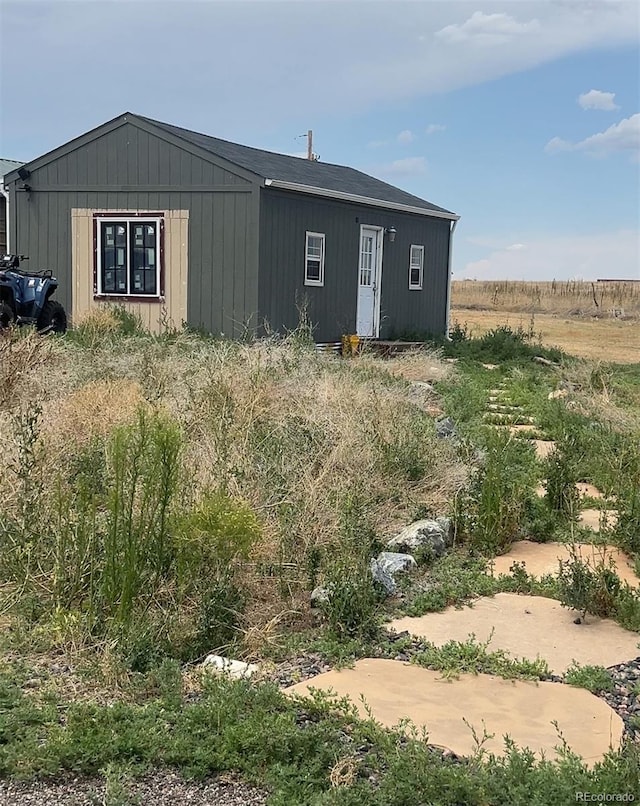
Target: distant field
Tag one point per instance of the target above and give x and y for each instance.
(565, 314)
(567, 297)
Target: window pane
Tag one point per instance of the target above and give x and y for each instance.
(143, 258)
(313, 270)
(314, 247)
(366, 260)
(414, 276)
(113, 258)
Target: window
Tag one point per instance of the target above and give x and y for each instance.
(314, 259)
(416, 267)
(366, 260)
(129, 256)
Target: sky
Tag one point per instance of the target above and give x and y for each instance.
(523, 117)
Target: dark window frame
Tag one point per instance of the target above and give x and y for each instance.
(119, 216)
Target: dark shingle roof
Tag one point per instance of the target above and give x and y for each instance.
(284, 168)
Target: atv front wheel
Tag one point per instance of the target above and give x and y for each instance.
(53, 318)
(6, 316)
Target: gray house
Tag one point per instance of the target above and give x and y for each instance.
(182, 226)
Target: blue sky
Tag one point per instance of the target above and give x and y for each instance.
(522, 116)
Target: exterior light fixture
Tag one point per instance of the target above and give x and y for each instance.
(391, 232)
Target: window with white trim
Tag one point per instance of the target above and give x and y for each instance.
(314, 259)
(128, 256)
(416, 267)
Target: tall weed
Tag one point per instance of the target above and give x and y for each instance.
(493, 512)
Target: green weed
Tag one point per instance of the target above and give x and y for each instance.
(457, 657)
(594, 678)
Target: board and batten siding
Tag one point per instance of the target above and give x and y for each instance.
(3, 225)
(172, 310)
(130, 168)
(285, 217)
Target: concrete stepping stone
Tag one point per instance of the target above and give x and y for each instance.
(528, 627)
(543, 447)
(594, 518)
(523, 429)
(584, 489)
(543, 558)
(523, 710)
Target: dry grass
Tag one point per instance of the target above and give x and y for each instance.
(309, 441)
(567, 298)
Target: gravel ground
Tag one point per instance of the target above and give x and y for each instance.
(161, 788)
(625, 697)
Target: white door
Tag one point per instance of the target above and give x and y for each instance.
(369, 265)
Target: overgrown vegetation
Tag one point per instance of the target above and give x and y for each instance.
(173, 496)
(163, 497)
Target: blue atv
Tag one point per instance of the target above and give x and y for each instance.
(25, 298)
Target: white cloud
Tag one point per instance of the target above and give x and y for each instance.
(376, 56)
(586, 256)
(432, 128)
(487, 29)
(409, 166)
(515, 247)
(622, 136)
(557, 144)
(405, 137)
(596, 99)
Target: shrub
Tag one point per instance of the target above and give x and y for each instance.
(598, 591)
(498, 345)
(215, 534)
(353, 603)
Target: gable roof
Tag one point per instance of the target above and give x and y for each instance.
(295, 173)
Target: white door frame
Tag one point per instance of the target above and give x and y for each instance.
(377, 278)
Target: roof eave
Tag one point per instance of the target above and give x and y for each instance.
(352, 197)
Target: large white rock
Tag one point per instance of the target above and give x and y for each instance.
(386, 565)
(234, 668)
(433, 534)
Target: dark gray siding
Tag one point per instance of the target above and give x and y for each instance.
(3, 225)
(284, 219)
(133, 169)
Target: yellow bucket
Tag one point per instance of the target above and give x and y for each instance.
(350, 344)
